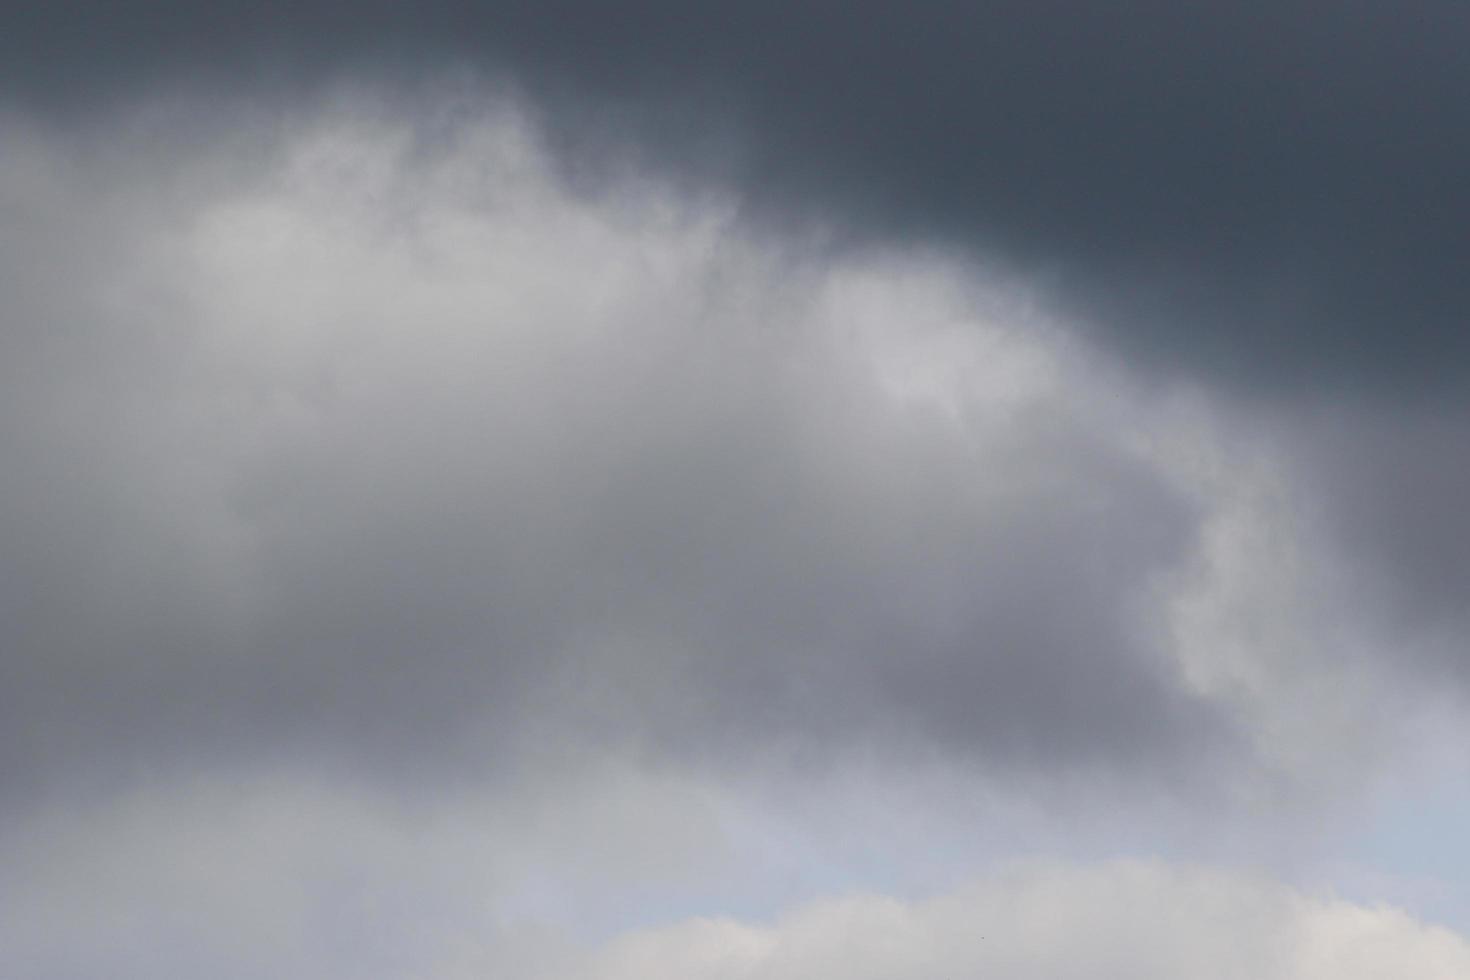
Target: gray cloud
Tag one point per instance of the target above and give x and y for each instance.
(422, 492)
(1388, 488)
(1260, 191)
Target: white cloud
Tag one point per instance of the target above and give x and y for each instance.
(1126, 920)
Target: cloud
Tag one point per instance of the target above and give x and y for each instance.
(1263, 192)
(423, 501)
(282, 873)
(602, 876)
(1391, 485)
(359, 434)
(1127, 919)
(407, 457)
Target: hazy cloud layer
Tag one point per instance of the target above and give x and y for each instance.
(237, 877)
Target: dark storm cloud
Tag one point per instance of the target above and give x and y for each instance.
(1267, 191)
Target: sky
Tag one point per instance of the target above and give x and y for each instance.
(558, 491)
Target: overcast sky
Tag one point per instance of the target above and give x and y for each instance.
(558, 491)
